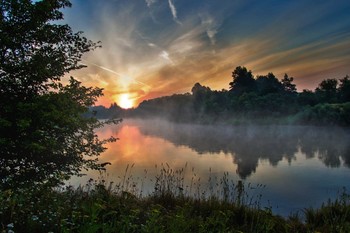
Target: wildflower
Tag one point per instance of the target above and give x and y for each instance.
(35, 218)
(10, 225)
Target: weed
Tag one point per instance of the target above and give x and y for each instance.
(175, 205)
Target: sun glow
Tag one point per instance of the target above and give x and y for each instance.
(125, 101)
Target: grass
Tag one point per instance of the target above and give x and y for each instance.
(175, 205)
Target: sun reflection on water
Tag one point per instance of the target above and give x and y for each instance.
(147, 146)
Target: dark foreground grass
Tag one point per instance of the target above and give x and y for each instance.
(98, 207)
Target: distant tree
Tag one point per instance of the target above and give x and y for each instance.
(326, 114)
(247, 102)
(115, 111)
(243, 81)
(115, 106)
(268, 84)
(200, 94)
(177, 107)
(217, 102)
(344, 89)
(43, 134)
(307, 98)
(327, 90)
(328, 85)
(287, 84)
(198, 89)
(264, 99)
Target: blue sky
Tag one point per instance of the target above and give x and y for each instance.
(152, 48)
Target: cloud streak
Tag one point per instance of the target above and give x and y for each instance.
(164, 57)
(116, 73)
(173, 11)
(211, 27)
(150, 2)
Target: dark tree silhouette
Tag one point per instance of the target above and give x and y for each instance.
(43, 134)
(327, 90)
(268, 84)
(307, 98)
(287, 84)
(200, 94)
(344, 89)
(243, 81)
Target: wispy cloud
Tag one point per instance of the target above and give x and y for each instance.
(211, 26)
(173, 11)
(150, 2)
(187, 43)
(164, 54)
(152, 58)
(123, 76)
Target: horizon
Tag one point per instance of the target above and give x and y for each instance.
(154, 48)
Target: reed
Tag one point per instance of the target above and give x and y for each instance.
(176, 204)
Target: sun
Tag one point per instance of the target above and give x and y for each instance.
(125, 101)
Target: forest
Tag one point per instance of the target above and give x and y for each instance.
(261, 99)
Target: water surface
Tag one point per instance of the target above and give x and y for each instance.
(300, 166)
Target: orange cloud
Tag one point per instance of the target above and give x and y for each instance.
(147, 58)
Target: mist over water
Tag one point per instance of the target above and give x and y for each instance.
(249, 144)
(300, 166)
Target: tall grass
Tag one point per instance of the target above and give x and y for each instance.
(176, 204)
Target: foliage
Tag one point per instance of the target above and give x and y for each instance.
(102, 207)
(326, 114)
(263, 99)
(170, 107)
(288, 85)
(43, 135)
(333, 216)
(327, 91)
(243, 81)
(268, 84)
(344, 89)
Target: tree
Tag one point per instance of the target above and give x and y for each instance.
(307, 98)
(43, 134)
(198, 89)
(243, 81)
(268, 84)
(287, 84)
(327, 90)
(344, 89)
(200, 94)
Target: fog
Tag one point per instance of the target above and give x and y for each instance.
(249, 144)
(300, 166)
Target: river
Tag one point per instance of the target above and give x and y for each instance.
(293, 167)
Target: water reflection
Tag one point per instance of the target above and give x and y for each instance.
(300, 166)
(249, 144)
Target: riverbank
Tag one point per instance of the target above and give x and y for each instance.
(102, 207)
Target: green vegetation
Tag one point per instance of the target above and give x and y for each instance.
(251, 100)
(44, 137)
(224, 206)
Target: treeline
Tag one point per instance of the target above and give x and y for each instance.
(101, 112)
(255, 99)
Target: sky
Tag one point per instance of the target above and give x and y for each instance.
(153, 48)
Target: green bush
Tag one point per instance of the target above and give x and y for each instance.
(326, 114)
